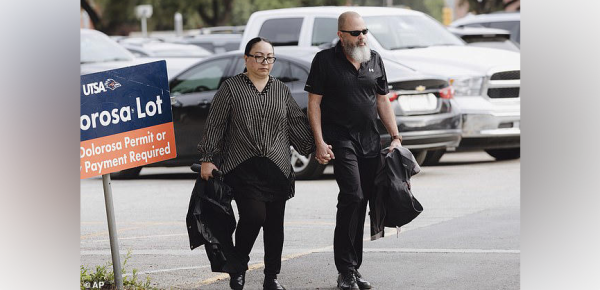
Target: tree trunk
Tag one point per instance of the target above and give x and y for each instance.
(221, 12)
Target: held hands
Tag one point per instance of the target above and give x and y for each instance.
(206, 170)
(323, 154)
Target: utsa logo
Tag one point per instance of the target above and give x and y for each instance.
(111, 84)
(100, 87)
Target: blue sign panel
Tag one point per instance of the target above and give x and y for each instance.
(124, 99)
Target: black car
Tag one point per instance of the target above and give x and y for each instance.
(426, 114)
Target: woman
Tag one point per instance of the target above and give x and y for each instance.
(252, 122)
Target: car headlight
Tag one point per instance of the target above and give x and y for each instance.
(467, 86)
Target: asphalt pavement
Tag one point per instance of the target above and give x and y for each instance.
(477, 251)
(466, 238)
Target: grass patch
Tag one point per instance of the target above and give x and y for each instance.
(103, 277)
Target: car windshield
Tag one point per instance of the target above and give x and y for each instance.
(409, 31)
(100, 48)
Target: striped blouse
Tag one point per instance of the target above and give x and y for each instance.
(243, 123)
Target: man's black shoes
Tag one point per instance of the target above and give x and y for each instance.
(362, 283)
(347, 281)
(271, 283)
(237, 280)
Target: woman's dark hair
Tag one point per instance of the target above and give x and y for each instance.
(254, 41)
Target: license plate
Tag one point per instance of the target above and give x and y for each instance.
(418, 103)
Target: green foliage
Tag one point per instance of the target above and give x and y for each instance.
(104, 274)
(118, 17)
(434, 8)
(484, 6)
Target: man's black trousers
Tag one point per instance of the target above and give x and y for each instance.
(355, 177)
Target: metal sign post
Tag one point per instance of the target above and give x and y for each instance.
(112, 231)
(126, 122)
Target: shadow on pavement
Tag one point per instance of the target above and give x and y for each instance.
(169, 176)
(454, 163)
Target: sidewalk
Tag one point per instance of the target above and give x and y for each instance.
(479, 251)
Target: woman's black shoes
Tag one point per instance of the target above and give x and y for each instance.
(362, 283)
(237, 280)
(271, 283)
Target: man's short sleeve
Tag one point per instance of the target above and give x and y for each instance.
(382, 84)
(315, 81)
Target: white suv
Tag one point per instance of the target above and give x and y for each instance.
(510, 21)
(486, 81)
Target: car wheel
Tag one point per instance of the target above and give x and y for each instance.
(306, 167)
(505, 154)
(419, 156)
(433, 157)
(127, 173)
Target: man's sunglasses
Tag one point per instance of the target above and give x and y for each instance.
(356, 32)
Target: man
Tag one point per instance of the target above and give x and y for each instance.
(347, 88)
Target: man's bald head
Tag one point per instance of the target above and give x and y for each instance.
(345, 17)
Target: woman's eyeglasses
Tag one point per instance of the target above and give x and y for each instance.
(261, 59)
(356, 33)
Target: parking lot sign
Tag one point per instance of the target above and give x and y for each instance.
(126, 119)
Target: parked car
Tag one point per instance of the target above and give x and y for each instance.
(98, 53)
(485, 37)
(486, 81)
(510, 21)
(215, 43)
(432, 125)
(152, 47)
(223, 30)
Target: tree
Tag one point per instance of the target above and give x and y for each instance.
(483, 6)
(85, 5)
(214, 12)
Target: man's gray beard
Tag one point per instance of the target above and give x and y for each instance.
(358, 53)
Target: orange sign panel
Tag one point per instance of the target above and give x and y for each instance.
(127, 150)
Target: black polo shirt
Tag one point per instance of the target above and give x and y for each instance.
(349, 104)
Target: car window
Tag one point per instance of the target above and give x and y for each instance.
(239, 66)
(409, 31)
(324, 31)
(512, 26)
(280, 70)
(284, 31)
(298, 73)
(204, 77)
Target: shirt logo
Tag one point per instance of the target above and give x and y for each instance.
(371, 70)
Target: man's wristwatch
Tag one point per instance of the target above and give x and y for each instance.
(397, 137)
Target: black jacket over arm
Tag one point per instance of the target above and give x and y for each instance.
(393, 204)
(210, 222)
